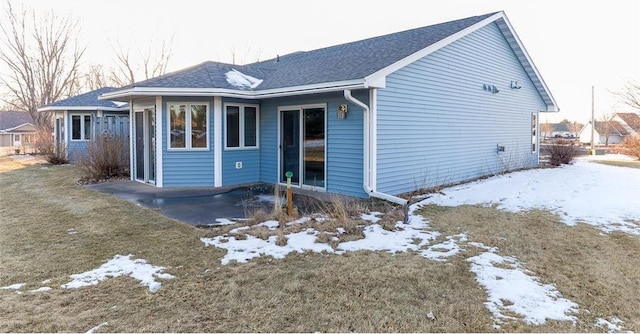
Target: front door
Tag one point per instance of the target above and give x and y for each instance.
(145, 145)
(302, 146)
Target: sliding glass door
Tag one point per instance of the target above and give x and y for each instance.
(303, 146)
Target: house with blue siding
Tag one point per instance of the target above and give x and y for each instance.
(80, 119)
(379, 117)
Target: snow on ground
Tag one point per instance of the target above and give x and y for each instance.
(16, 286)
(241, 80)
(596, 194)
(600, 195)
(511, 288)
(121, 265)
(96, 328)
(613, 325)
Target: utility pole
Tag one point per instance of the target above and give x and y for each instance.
(593, 124)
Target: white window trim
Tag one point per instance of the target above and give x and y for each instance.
(241, 146)
(187, 129)
(535, 145)
(82, 116)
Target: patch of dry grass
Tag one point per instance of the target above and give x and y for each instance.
(360, 292)
(619, 163)
(599, 272)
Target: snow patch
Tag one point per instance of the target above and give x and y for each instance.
(224, 221)
(270, 224)
(511, 288)
(96, 328)
(16, 286)
(371, 216)
(121, 265)
(252, 247)
(612, 325)
(574, 192)
(241, 80)
(42, 289)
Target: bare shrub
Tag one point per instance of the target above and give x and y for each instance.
(562, 152)
(45, 145)
(106, 157)
(630, 146)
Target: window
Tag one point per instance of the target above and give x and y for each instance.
(188, 126)
(241, 126)
(534, 130)
(80, 127)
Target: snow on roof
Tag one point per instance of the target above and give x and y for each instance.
(241, 80)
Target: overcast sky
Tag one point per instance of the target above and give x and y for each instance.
(574, 44)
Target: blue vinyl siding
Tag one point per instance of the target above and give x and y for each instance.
(436, 124)
(187, 168)
(249, 157)
(343, 141)
(78, 148)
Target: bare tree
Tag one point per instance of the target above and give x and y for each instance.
(153, 62)
(630, 94)
(96, 78)
(42, 56)
(606, 127)
(547, 129)
(574, 127)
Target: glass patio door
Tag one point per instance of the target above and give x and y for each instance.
(145, 145)
(303, 146)
(290, 145)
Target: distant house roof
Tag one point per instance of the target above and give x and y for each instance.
(360, 64)
(87, 101)
(10, 120)
(632, 120)
(617, 129)
(561, 127)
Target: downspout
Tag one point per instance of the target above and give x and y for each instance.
(366, 176)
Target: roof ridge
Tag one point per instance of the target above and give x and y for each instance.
(301, 52)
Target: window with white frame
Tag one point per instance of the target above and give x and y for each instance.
(534, 132)
(188, 123)
(241, 122)
(80, 127)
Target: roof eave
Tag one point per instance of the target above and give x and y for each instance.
(126, 94)
(15, 127)
(82, 108)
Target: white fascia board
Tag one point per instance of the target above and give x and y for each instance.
(19, 126)
(383, 73)
(550, 108)
(258, 94)
(80, 108)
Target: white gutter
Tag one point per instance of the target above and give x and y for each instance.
(367, 176)
(258, 94)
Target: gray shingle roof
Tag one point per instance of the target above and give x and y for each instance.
(12, 119)
(344, 62)
(88, 100)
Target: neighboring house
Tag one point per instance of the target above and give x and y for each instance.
(617, 132)
(629, 121)
(80, 119)
(17, 131)
(561, 130)
(379, 117)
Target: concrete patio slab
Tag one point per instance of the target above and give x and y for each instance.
(206, 206)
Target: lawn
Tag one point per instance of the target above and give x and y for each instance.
(442, 271)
